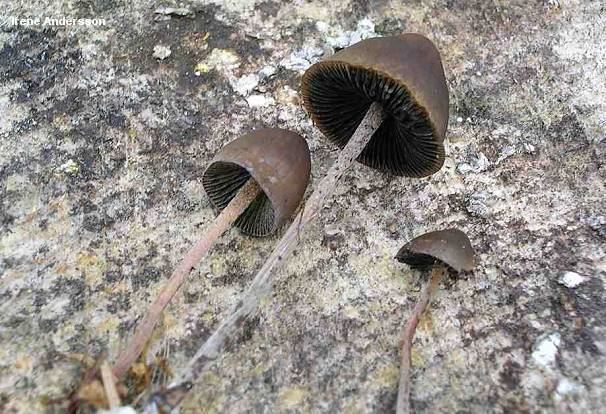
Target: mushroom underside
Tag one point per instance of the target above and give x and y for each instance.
(222, 181)
(417, 260)
(405, 143)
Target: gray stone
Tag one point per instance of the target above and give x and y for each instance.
(102, 149)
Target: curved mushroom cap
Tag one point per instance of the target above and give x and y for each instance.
(278, 160)
(451, 247)
(405, 74)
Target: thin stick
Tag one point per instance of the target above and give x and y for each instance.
(263, 282)
(110, 386)
(408, 334)
(144, 330)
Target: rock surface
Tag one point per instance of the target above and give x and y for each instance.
(102, 148)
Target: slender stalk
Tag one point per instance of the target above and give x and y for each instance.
(109, 385)
(408, 334)
(263, 282)
(224, 220)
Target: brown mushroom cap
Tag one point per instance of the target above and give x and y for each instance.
(451, 247)
(278, 160)
(405, 74)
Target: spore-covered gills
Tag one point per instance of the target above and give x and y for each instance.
(222, 181)
(405, 76)
(404, 144)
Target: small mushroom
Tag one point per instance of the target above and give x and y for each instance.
(256, 182)
(278, 160)
(439, 250)
(384, 101)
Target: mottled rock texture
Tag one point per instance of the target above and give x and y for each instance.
(102, 149)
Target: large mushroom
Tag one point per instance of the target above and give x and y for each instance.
(439, 251)
(384, 101)
(256, 182)
(403, 75)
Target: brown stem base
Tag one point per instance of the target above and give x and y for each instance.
(113, 399)
(408, 334)
(265, 278)
(144, 330)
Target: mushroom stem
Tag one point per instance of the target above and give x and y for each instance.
(262, 283)
(113, 399)
(249, 191)
(408, 334)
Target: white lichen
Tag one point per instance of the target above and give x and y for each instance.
(70, 167)
(302, 59)
(174, 11)
(476, 164)
(572, 279)
(364, 30)
(267, 72)
(245, 85)
(566, 388)
(256, 101)
(161, 52)
(546, 350)
(120, 410)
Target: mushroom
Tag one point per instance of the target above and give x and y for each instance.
(384, 101)
(441, 251)
(404, 76)
(256, 182)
